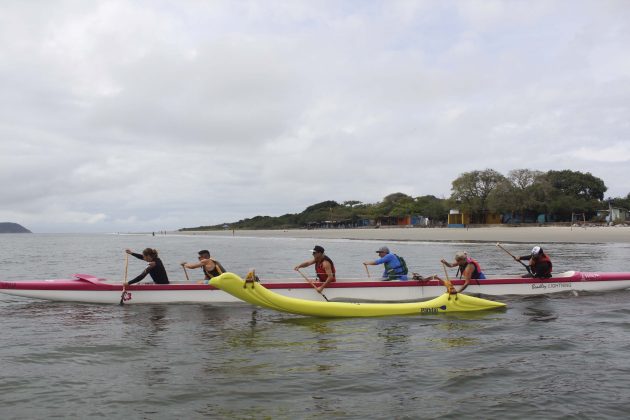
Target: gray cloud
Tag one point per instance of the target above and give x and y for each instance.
(127, 116)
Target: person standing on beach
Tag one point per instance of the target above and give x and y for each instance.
(540, 265)
(468, 268)
(324, 267)
(155, 268)
(395, 267)
(211, 267)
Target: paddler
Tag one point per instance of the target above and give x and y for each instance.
(211, 267)
(155, 268)
(539, 263)
(468, 268)
(395, 266)
(324, 267)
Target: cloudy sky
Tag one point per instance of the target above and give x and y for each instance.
(123, 116)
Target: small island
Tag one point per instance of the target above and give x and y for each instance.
(8, 227)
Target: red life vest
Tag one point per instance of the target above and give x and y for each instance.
(542, 260)
(321, 271)
(476, 271)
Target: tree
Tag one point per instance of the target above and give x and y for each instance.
(574, 191)
(471, 191)
(518, 194)
(324, 205)
(621, 202)
(352, 203)
(577, 184)
(432, 207)
(396, 205)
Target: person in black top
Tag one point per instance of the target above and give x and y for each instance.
(539, 263)
(155, 268)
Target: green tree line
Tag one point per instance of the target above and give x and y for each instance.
(521, 195)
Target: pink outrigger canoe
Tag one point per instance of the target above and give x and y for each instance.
(90, 289)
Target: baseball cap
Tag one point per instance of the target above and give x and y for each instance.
(318, 248)
(383, 249)
(536, 250)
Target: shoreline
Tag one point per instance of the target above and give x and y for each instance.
(528, 234)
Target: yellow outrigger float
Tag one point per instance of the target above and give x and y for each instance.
(253, 292)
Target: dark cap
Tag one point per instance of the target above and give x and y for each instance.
(318, 248)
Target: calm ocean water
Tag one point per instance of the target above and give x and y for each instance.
(557, 356)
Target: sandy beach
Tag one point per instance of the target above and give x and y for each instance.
(538, 234)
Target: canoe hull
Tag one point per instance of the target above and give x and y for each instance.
(89, 289)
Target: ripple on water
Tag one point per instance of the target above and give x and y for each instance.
(543, 357)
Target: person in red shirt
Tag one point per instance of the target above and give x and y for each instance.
(324, 267)
(539, 263)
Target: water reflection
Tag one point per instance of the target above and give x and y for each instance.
(157, 325)
(454, 342)
(395, 338)
(540, 315)
(320, 341)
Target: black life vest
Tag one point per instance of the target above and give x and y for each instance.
(217, 271)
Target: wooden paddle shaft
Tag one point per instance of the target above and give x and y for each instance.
(311, 283)
(126, 265)
(124, 289)
(508, 252)
(445, 272)
(516, 259)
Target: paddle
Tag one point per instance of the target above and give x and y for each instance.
(124, 290)
(516, 259)
(311, 283)
(185, 272)
(366, 270)
(447, 283)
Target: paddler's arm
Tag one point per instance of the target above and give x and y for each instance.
(304, 264)
(448, 264)
(140, 277)
(466, 275)
(378, 261)
(191, 265)
(133, 254)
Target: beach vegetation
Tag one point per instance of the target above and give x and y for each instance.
(471, 192)
(522, 195)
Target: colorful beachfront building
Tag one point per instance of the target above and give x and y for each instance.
(614, 215)
(460, 219)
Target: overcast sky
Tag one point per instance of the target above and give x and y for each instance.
(123, 116)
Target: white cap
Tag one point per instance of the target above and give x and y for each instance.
(536, 250)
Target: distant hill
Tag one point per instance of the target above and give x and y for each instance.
(8, 227)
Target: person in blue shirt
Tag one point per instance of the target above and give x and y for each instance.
(394, 268)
